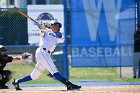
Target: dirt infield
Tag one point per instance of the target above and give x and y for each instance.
(84, 89)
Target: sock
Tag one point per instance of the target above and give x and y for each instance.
(58, 76)
(24, 79)
(66, 82)
(61, 79)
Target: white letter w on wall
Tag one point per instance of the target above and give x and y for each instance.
(93, 11)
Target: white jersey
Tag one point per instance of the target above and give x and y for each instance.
(48, 41)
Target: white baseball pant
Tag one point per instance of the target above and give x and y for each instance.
(44, 61)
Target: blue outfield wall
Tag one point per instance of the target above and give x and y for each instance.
(102, 32)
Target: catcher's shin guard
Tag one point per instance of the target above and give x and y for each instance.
(6, 76)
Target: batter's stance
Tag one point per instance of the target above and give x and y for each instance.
(48, 41)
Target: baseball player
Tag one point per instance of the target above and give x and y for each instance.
(5, 75)
(48, 41)
(136, 56)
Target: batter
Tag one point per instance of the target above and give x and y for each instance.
(48, 41)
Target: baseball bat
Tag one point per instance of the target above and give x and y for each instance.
(25, 15)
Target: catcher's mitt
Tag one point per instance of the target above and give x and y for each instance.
(25, 55)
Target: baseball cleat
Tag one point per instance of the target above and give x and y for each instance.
(16, 85)
(73, 87)
(4, 87)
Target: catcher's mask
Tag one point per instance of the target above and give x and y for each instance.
(3, 50)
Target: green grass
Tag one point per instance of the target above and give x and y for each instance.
(20, 70)
(98, 74)
(95, 74)
(92, 73)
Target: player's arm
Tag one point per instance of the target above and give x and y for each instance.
(55, 27)
(42, 30)
(23, 56)
(14, 59)
(58, 34)
(17, 58)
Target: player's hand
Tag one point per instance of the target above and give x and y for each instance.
(25, 55)
(43, 27)
(46, 24)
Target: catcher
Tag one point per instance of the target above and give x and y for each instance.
(6, 75)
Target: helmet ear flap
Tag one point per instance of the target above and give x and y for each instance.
(60, 25)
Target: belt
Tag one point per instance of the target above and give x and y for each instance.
(48, 50)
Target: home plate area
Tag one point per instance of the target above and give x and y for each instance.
(84, 89)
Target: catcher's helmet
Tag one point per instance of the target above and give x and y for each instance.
(45, 16)
(2, 48)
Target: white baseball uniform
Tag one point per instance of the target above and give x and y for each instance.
(44, 61)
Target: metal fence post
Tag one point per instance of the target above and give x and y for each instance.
(0, 29)
(66, 67)
(138, 22)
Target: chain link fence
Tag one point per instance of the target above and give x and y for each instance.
(13, 28)
(14, 35)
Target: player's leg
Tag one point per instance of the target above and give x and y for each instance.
(67, 83)
(1, 81)
(5, 77)
(139, 70)
(135, 64)
(50, 66)
(38, 70)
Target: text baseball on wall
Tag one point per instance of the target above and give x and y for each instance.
(102, 32)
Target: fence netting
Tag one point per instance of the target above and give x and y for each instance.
(99, 40)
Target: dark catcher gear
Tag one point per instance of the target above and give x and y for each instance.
(5, 75)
